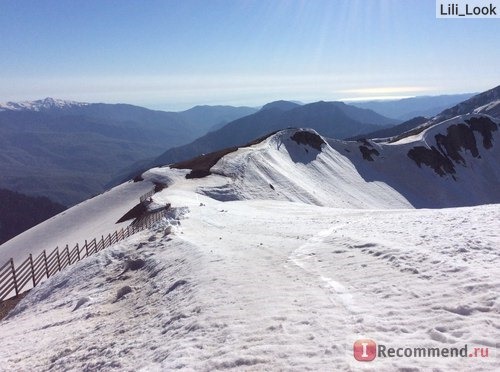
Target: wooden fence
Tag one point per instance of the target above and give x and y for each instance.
(35, 269)
(147, 195)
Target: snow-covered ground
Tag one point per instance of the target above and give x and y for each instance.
(261, 285)
(245, 276)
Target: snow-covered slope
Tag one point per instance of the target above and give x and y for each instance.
(270, 285)
(287, 253)
(450, 164)
(279, 168)
(492, 109)
(87, 220)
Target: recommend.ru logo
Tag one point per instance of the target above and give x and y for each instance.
(366, 350)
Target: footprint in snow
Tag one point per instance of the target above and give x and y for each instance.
(133, 265)
(176, 285)
(122, 292)
(82, 301)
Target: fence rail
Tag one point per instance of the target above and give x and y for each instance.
(14, 279)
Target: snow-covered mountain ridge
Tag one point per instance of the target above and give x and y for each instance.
(454, 163)
(486, 103)
(41, 105)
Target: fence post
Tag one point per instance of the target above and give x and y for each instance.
(102, 240)
(58, 259)
(86, 248)
(14, 276)
(95, 244)
(67, 252)
(78, 251)
(32, 270)
(46, 264)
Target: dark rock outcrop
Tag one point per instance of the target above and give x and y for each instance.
(308, 138)
(367, 153)
(450, 146)
(367, 149)
(432, 158)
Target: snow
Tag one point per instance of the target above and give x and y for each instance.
(40, 105)
(492, 108)
(244, 276)
(297, 175)
(270, 285)
(475, 182)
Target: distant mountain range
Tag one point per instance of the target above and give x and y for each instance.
(214, 117)
(408, 108)
(69, 151)
(392, 131)
(334, 119)
(196, 120)
(487, 102)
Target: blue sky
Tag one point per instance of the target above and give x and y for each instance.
(173, 54)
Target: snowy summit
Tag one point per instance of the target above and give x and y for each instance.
(40, 105)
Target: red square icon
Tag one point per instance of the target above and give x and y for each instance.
(365, 350)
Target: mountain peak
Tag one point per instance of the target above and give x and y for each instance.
(280, 105)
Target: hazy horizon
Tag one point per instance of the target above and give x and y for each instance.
(172, 55)
(183, 108)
